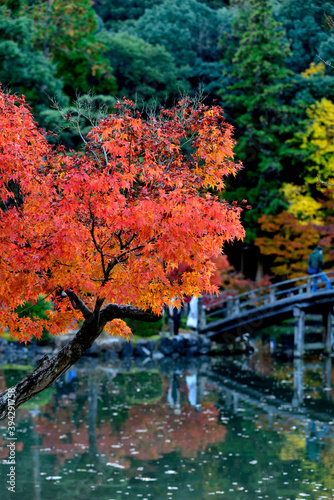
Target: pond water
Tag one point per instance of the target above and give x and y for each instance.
(247, 428)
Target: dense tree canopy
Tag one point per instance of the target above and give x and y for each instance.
(149, 70)
(307, 27)
(66, 31)
(263, 62)
(113, 12)
(190, 32)
(22, 68)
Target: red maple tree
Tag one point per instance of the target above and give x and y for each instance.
(101, 230)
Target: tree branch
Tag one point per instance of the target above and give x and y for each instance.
(96, 315)
(98, 248)
(77, 303)
(119, 258)
(112, 311)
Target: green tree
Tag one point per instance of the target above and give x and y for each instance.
(215, 4)
(190, 31)
(23, 68)
(114, 12)
(67, 33)
(307, 28)
(143, 71)
(254, 99)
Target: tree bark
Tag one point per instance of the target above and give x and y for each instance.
(259, 269)
(50, 369)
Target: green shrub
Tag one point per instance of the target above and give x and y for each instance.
(37, 310)
(144, 329)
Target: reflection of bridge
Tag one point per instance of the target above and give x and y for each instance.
(263, 399)
(240, 387)
(243, 393)
(240, 396)
(225, 319)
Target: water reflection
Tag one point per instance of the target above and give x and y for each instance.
(249, 428)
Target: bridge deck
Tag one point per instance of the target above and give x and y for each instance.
(231, 317)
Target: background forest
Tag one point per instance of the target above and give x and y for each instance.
(269, 64)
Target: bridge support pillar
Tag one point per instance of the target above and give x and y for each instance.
(327, 334)
(229, 307)
(299, 316)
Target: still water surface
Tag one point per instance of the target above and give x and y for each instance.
(248, 428)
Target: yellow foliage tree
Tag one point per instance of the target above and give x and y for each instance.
(301, 204)
(288, 242)
(318, 140)
(314, 69)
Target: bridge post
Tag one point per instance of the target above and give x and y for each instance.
(235, 402)
(308, 286)
(299, 316)
(237, 306)
(272, 294)
(327, 334)
(229, 307)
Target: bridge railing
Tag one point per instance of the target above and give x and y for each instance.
(232, 306)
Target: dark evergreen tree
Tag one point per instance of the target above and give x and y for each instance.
(190, 31)
(255, 101)
(143, 71)
(307, 26)
(23, 68)
(114, 12)
(67, 34)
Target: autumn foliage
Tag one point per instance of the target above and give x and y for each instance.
(289, 242)
(114, 220)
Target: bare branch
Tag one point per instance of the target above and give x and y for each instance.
(138, 247)
(118, 235)
(325, 62)
(324, 182)
(98, 248)
(105, 155)
(130, 240)
(96, 316)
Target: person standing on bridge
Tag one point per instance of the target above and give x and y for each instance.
(315, 265)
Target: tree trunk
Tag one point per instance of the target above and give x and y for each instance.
(242, 256)
(259, 269)
(50, 369)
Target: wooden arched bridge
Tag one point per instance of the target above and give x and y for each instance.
(223, 319)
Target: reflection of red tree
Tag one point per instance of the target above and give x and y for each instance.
(61, 436)
(154, 430)
(261, 362)
(4, 450)
(3, 386)
(149, 432)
